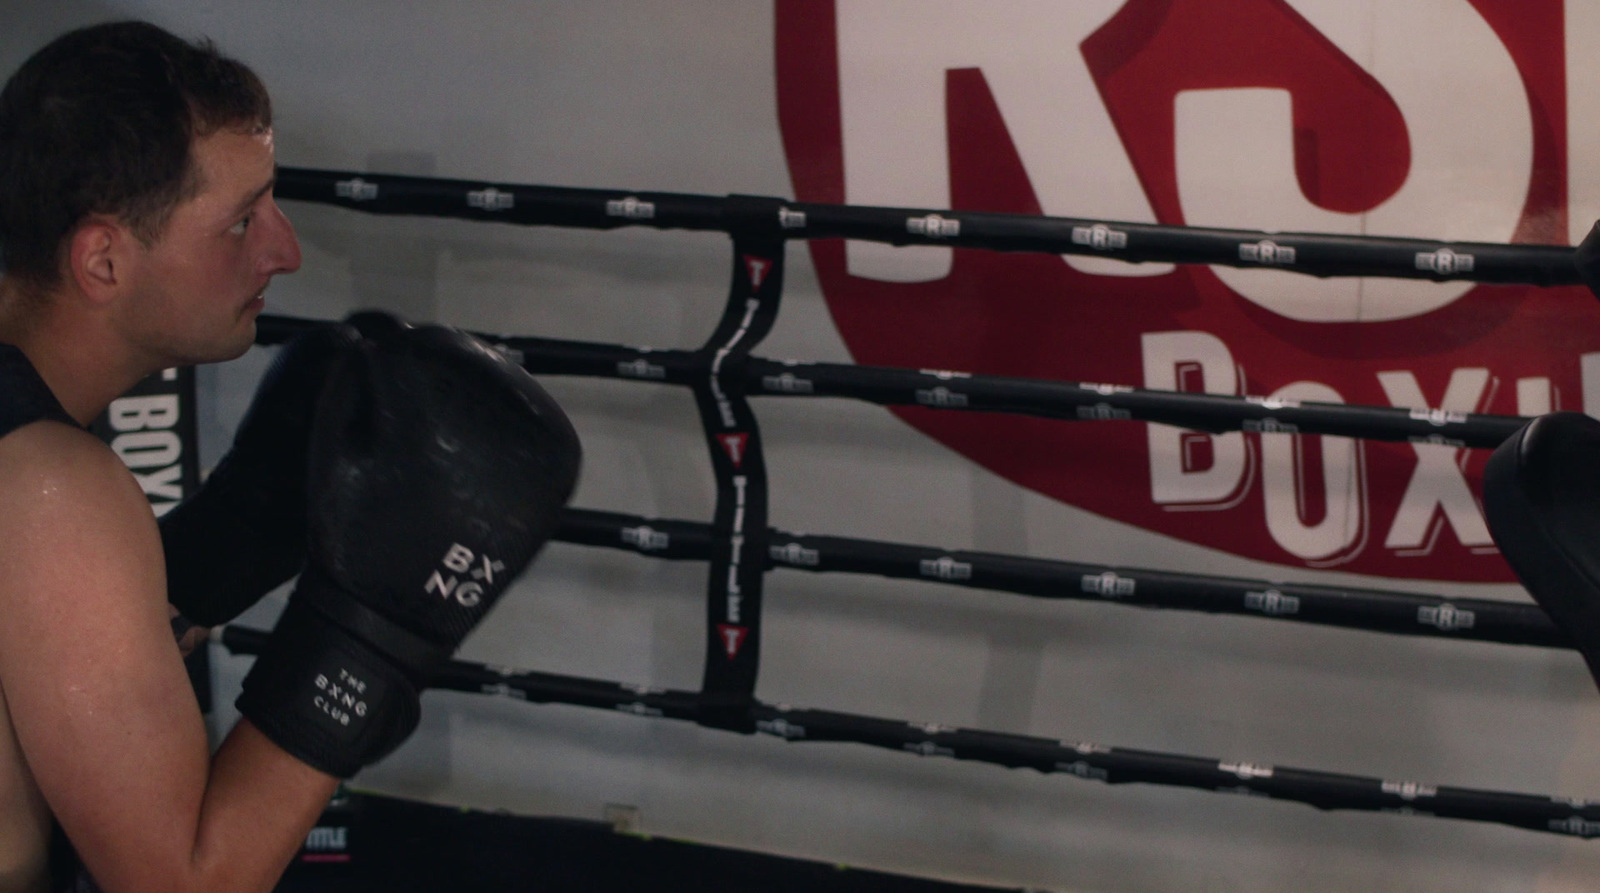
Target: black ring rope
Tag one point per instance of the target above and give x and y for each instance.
(1113, 765)
(741, 548)
(1314, 254)
(937, 389)
(1347, 607)
(1105, 402)
(1404, 613)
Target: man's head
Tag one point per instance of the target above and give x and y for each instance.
(101, 121)
(123, 151)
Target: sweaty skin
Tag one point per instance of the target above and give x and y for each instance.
(99, 726)
(24, 818)
(24, 814)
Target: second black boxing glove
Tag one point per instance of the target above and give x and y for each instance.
(243, 533)
(438, 469)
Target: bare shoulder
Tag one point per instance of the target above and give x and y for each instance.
(48, 468)
(94, 686)
(68, 506)
(48, 445)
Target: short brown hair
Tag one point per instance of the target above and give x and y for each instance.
(101, 121)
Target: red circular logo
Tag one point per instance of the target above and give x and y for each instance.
(1279, 115)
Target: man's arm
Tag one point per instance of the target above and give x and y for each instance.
(99, 697)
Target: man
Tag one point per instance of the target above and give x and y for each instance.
(139, 232)
(123, 260)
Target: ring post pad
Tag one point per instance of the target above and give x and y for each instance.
(1541, 494)
(1586, 257)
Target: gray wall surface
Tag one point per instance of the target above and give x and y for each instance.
(681, 97)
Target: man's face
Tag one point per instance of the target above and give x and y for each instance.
(198, 289)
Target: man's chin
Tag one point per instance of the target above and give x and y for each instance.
(231, 347)
(246, 338)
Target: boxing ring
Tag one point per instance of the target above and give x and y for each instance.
(740, 548)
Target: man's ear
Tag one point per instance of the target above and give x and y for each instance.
(98, 258)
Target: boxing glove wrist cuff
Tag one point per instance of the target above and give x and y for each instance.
(326, 697)
(418, 658)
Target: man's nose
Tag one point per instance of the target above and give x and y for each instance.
(282, 253)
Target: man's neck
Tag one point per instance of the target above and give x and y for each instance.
(79, 357)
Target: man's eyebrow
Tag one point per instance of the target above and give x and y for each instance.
(253, 197)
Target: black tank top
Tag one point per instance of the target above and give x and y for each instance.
(25, 398)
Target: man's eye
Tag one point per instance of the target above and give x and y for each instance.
(239, 228)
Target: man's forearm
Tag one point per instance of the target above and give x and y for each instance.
(259, 805)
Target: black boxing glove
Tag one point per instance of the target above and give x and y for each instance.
(437, 471)
(243, 533)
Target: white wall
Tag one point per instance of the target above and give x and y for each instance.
(681, 97)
